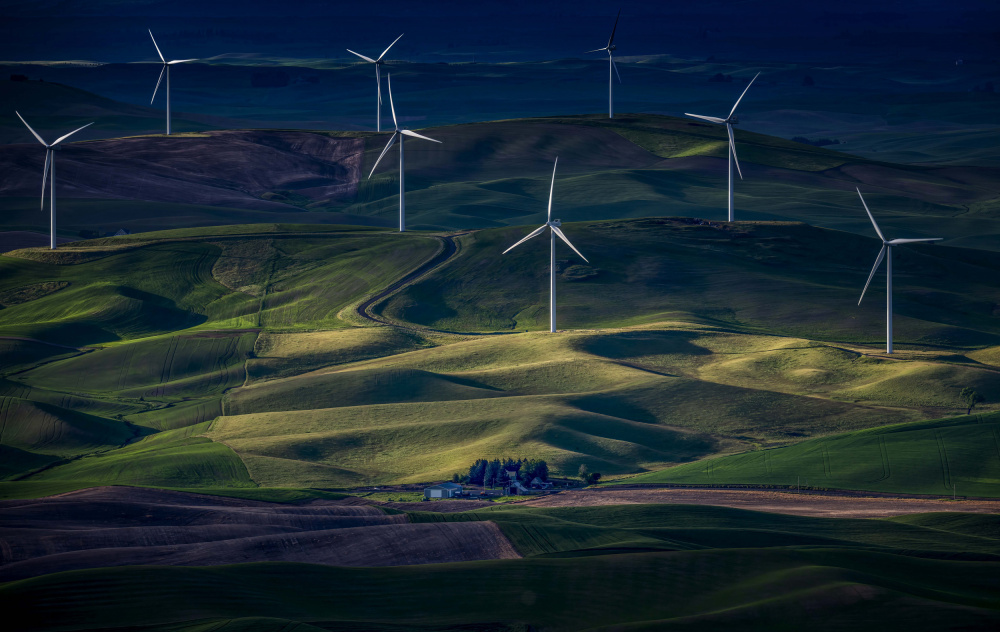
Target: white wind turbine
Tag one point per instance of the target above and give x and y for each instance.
(611, 66)
(886, 253)
(50, 167)
(554, 225)
(165, 70)
(729, 122)
(378, 79)
(400, 134)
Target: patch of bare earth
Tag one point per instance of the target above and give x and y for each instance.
(115, 526)
(799, 504)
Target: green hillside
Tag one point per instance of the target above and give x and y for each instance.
(129, 288)
(495, 173)
(675, 350)
(783, 278)
(959, 454)
(781, 588)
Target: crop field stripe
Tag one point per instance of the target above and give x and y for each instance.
(123, 372)
(945, 467)
(168, 361)
(4, 405)
(886, 473)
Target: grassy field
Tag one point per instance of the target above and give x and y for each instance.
(956, 455)
(248, 335)
(825, 588)
(494, 174)
(764, 277)
(581, 531)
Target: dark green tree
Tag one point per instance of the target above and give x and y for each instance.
(476, 472)
(970, 398)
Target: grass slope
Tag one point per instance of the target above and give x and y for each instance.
(602, 530)
(938, 457)
(132, 288)
(617, 401)
(779, 278)
(252, 325)
(745, 589)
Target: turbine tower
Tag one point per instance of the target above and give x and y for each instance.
(165, 70)
(378, 79)
(729, 122)
(611, 66)
(50, 167)
(886, 252)
(401, 135)
(553, 225)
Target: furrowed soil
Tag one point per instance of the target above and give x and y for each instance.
(118, 526)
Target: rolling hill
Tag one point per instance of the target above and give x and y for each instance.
(236, 356)
(493, 174)
(937, 457)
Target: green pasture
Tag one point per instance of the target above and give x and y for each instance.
(742, 589)
(958, 455)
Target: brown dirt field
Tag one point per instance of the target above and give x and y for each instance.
(221, 168)
(115, 526)
(798, 504)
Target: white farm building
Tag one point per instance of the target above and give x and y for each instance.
(444, 490)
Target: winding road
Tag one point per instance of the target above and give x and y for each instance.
(449, 248)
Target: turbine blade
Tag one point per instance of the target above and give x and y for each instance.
(179, 61)
(615, 66)
(391, 141)
(913, 241)
(33, 132)
(878, 261)
(62, 138)
(416, 135)
(612, 38)
(390, 46)
(596, 50)
(535, 233)
(732, 148)
(741, 96)
(552, 186)
(157, 47)
(162, 70)
(713, 119)
(378, 83)
(388, 81)
(361, 56)
(45, 173)
(870, 216)
(560, 234)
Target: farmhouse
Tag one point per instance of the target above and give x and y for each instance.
(444, 490)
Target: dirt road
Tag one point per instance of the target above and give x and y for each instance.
(799, 504)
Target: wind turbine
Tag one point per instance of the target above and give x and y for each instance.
(729, 122)
(554, 225)
(165, 70)
(886, 252)
(378, 78)
(401, 134)
(50, 166)
(611, 66)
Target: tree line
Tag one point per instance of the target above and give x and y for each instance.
(486, 472)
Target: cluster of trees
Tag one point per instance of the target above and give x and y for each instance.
(819, 142)
(485, 472)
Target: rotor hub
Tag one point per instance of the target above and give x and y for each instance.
(557, 223)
